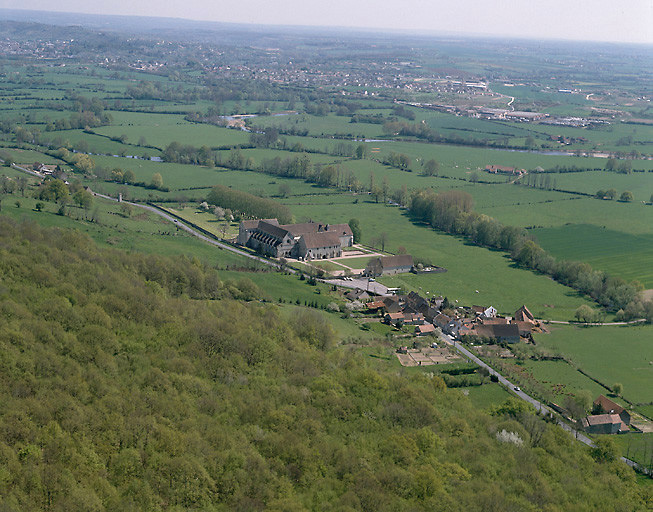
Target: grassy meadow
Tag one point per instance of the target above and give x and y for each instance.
(609, 354)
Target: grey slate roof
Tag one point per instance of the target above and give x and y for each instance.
(272, 229)
(401, 260)
(319, 240)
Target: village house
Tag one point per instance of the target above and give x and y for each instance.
(416, 301)
(488, 312)
(393, 318)
(436, 302)
(357, 294)
(375, 305)
(389, 265)
(441, 321)
(453, 327)
(429, 313)
(413, 319)
(424, 330)
(310, 240)
(393, 304)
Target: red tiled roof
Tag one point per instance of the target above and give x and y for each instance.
(602, 419)
(608, 405)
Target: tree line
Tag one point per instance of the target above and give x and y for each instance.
(248, 204)
(452, 212)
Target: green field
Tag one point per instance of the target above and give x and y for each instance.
(557, 379)
(470, 268)
(639, 183)
(609, 354)
(487, 395)
(205, 220)
(161, 134)
(620, 254)
(637, 447)
(360, 262)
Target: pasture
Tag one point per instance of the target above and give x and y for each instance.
(487, 395)
(637, 447)
(160, 135)
(470, 268)
(557, 380)
(609, 354)
(620, 254)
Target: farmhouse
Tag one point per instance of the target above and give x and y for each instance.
(388, 265)
(604, 424)
(500, 169)
(309, 240)
(604, 405)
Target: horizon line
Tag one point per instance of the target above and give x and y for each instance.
(369, 30)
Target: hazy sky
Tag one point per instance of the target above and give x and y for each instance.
(596, 20)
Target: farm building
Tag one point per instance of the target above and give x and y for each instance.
(603, 405)
(525, 328)
(604, 424)
(309, 240)
(524, 315)
(508, 333)
(500, 169)
(357, 294)
(388, 265)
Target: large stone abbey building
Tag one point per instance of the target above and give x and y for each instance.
(310, 240)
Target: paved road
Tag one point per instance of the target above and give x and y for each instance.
(28, 171)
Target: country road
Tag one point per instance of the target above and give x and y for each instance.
(594, 324)
(541, 408)
(185, 227)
